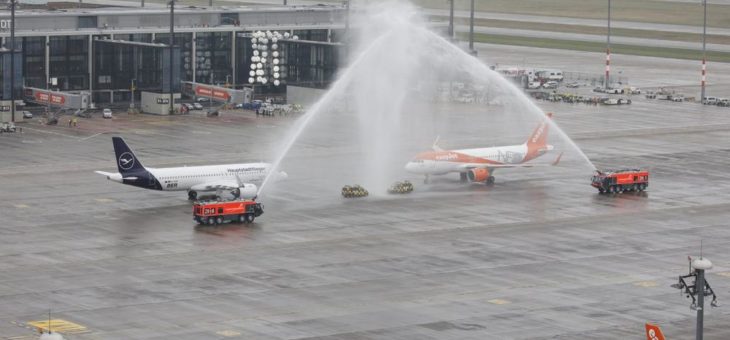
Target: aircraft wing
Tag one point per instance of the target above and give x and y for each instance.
(216, 185)
(520, 165)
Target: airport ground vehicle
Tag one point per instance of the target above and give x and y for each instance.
(197, 106)
(217, 212)
(107, 113)
(7, 127)
(27, 114)
(400, 188)
(618, 181)
(709, 100)
(354, 191)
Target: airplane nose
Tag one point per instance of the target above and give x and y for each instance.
(283, 175)
(410, 167)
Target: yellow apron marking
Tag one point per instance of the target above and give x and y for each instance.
(498, 301)
(21, 206)
(104, 200)
(58, 325)
(725, 274)
(228, 333)
(646, 284)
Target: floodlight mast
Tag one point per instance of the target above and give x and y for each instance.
(697, 290)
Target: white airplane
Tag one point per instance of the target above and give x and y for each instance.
(240, 179)
(478, 165)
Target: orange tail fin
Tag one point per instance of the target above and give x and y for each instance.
(537, 143)
(653, 332)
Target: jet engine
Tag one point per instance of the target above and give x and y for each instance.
(247, 191)
(478, 175)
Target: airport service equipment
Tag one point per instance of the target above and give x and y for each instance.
(218, 212)
(354, 191)
(618, 181)
(400, 188)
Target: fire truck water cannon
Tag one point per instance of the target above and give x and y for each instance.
(618, 181)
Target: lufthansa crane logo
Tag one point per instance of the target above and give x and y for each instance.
(126, 161)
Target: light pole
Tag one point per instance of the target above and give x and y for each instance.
(471, 30)
(133, 88)
(608, 46)
(704, 55)
(172, 45)
(12, 59)
(699, 289)
(451, 19)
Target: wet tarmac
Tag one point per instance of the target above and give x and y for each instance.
(538, 255)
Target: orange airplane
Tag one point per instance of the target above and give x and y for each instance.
(653, 332)
(478, 165)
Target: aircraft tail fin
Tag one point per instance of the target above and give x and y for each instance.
(127, 162)
(537, 143)
(653, 332)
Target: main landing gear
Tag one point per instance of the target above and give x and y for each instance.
(192, 195)
(489, 181)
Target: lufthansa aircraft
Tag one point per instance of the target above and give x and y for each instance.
(239, 179)
(478, 165)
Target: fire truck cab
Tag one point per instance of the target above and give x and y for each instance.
(217, 212)
(618, 181)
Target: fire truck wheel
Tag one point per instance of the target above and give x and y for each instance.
(210, 220)
(192, 195)
(620, 189)
(611, 189)
(600, 190)
(249, 218)
(241, 218)
(642, 187)
(218, 220)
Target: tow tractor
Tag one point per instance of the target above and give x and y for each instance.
(218, 212)
(618, 181)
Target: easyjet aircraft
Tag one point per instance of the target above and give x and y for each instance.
(240, 179)
(653, 332)
(478, 165)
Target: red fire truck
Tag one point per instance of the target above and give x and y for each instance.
(618, 181)
(217, 212)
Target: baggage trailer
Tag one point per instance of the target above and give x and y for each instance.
(215, 212)
(618, 181)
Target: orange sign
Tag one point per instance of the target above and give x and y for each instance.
(206, 91)
(54, 98)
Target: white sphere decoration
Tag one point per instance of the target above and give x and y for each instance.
(277, 82)
(255, 52)
(260, 72)
(264, 80)
(268, 34)
(259, 65)
(250, 80)
(296, 37)
(253, 66)
(252, 73)
(274, 40)
(254, 46)
(276, 75)
(276, 68)
(286, 34)
(253, 40)
(275, 54)
(274, 46)
(264, 60)
(276, 61)
(264, 54)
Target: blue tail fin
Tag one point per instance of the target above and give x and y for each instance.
(127, 162)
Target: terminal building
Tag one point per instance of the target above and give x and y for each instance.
(111, 53)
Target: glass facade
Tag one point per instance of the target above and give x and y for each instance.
(34, 59)
(185, 42)
(213, 58)
(69, 62)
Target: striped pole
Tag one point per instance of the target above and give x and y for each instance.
(704, 53)
(608, 65)
(608, 46)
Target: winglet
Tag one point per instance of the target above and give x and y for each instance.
(435, 145)
(653, 332)
(557, 160)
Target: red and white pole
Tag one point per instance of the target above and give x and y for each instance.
(608, 66)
